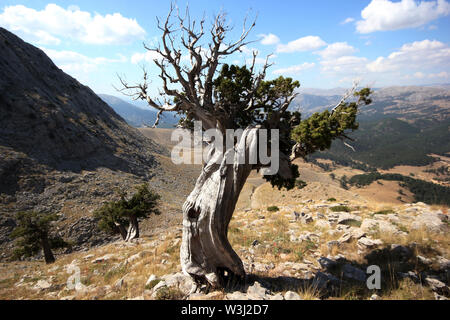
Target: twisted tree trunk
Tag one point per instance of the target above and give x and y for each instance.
(123, 232)
(133, 229)
(206, 254)
(48, 254)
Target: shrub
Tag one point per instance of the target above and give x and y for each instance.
(300, 184)
(340, 209)
(273, 209)
(169, 293)
(389, 211)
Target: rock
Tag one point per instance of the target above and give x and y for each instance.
(333, 243)
(439, 297)
(374, 297)
(158, 286)
(444, 264)
(424, 261)
(53, 269)
(372, 225)
(437, 286)
(257, 292)
(353, 273)
(237, 296)
(137, 298)
(348, 218)
(119, 284)
(408, 275)
(134, 258)
(290, 295)
(357, 233)
(67, 298)
(307, 218)
(277, 296)
(327, 263)
(104, 258)
(432, 220)
(366, 243)
(179, 280)
(324, 224)
(346, 237)
(42, 285)
(150, 279)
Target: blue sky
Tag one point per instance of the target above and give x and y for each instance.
(322, 43)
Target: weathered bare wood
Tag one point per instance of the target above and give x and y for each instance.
(206, 253)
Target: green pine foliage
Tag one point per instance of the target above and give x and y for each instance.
(32, 229)
(143, 203)
(231, 90)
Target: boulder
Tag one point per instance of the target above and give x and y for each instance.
(437, 286)
(290, 295)
(353, 273)
(431, 220)
(257, 292)
(366, 243)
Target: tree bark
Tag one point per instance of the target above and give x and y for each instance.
(48, 254)
(206, 254)
(123, 232)
(133, 229)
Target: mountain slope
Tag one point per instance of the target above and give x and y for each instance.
(390, 142)
(403, 126)
(53, 119)
(63, 149)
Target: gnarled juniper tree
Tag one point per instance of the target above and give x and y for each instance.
(230, 97)
(34, 233)
(115, 215)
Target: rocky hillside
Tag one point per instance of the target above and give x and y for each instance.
(63, 149)
(306, 250)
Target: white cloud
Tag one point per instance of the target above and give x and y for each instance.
(348, 20)
(302, 44)
(442, 74)
(147, 56)
(337, 49)
(432, 76)
(345, 65)
(53, 23)
(269, 39)
(383, 15)
(295, 69)
(420, 54)
(73, 62)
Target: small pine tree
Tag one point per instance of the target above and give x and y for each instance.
(113, 216)
(33, 230)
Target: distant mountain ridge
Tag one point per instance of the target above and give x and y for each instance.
(136, 116)
(409, 103)
(403, 125)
